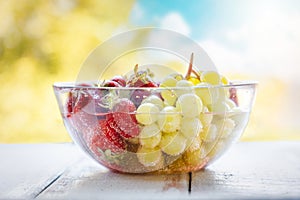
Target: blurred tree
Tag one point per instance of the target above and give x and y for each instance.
(42, 42)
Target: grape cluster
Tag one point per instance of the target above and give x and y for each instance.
(185, 121)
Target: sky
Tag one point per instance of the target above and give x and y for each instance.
(261, 38)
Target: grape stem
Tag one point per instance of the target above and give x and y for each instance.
(196, 74)
(190, 69)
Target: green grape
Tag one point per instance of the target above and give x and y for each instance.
(147, 113)
(184, 83)
(223, 94)
(149, 157)
(225, 127)
(168, 82)
(224, 80)
(186, 87)
(194, 144)
(190, 127)
(207, 93)
(169, 119)
(167, 138)
(209, 134)
(230, 103)
(220, 107)
(210, 77)
(206, 117)
(173, 143)
(154, 99)
(169, 97)
(150, 136)
(190, 105)
(177, 76)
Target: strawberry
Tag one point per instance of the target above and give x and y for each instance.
(111, 83)
(120, 80)
(77, 99)
(70, 103)
(151, 84)
(141, 78)
(84, 123)
(233, 96)
(113, 124)
(105, 138)
(124, 117)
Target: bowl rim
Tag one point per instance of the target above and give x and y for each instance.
(75, 85)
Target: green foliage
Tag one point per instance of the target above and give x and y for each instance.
(42, 42)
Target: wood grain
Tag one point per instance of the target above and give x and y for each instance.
(25, 169)
(254, 170)
(87, 180)
(258, 170)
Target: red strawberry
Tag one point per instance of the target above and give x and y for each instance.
(70, 103)
(120, 80)
(111, 83)
(105, 138)
(141, 78)
(113, 124)
(233, 96)
(84, 123)
(151, 84)
(77, 99)
(124, 117)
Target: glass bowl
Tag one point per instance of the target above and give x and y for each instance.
(186, 135)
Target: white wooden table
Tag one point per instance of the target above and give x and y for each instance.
(254, 170)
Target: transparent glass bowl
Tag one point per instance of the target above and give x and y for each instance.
(89, 116)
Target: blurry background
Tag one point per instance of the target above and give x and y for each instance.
(42, 42)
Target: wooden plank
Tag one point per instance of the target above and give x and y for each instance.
(26, 169)
(88, 180)
(261, 170)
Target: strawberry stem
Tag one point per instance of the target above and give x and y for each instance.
(136, 68)
(190, 69)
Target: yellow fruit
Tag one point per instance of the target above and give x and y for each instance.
(149, 157)
(169, 97)
(194, 144)
(154, 99)
(207, 93)
(206, 117)
(190, 105)
(169, 119)
(190, 127)
(194, 80)
(209, 133)
(224, 80)
(225, 127)
(147, 113)
(150, 136)
(173, 143)
(176, 76)
(186, 87)
(210, 77)
(168, 82)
